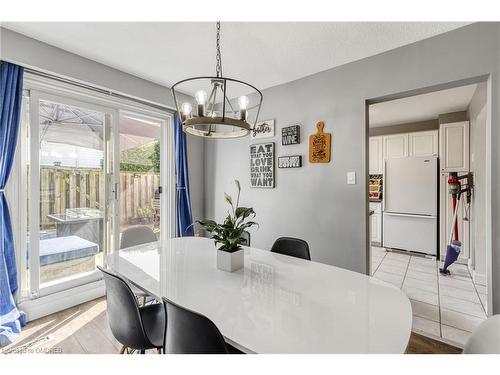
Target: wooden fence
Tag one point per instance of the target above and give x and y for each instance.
(137, 192)
(63, 188)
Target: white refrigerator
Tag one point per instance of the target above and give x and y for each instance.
(410, 218)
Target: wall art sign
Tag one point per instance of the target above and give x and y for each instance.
(319, 145)
(262, 165)
(292, 161)
(290, 135)
(263, 129)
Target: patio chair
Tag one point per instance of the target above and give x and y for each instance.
(135, 236)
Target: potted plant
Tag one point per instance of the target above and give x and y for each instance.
(228, 234)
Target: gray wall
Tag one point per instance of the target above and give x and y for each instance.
(196, 164)
(1, 35)
(447, 118)
(405, 128)
(32, 53)
(28, 52)
(477, 117)
(315, 202)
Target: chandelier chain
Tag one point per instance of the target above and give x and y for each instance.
(216, 117)
(218, 67)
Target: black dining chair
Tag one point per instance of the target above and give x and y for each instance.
(136, 328)
(191, 333)
(294, 247)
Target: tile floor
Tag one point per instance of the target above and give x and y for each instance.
(444, 307)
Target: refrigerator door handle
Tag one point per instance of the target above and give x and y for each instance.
(410, 215)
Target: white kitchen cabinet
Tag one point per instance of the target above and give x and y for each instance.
(376, 222)
(395, 146)
(423, 143)
(376, 160)
(446, 217)
(454, 147)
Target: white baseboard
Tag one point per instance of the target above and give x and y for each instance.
(43, 306)
(479, 278)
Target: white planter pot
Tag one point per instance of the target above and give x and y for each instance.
(230, 262)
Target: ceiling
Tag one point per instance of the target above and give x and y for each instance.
(263, 54)
(421, 107)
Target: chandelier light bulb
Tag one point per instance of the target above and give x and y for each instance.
(186, 110)
(243, 102)
(201, 97)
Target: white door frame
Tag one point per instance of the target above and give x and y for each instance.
(35, 305)
(488, 171)
(34, 184)
(167, 174)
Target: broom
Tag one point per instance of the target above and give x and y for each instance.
(454, 246)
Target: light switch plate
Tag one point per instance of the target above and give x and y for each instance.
(351, 178)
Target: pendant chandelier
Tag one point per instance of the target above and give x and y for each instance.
(222, 107)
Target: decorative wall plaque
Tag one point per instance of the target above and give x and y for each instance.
(290, 135)
(319, 145)
(262, 165)
(292, 161)
(263, 129)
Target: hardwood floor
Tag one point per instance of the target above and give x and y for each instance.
(84, 329)
(77, 330)
(424, 345)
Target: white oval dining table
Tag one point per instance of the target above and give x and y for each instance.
(276, 303)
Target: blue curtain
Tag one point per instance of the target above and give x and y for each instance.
(184, 214)
(11, 93)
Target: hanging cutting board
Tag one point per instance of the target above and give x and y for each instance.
(319, 145)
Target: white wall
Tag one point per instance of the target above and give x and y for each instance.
(315, 202)
(477, 117)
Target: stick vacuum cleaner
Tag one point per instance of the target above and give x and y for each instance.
(455, 188)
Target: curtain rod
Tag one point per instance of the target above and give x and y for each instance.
(97, 89)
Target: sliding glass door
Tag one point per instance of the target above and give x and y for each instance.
(69, 204)
(89, 167)
(138, 151)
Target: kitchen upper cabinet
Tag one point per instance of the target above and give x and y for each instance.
(376, 161)
(395, 146)
(454, 147)
(423, 143)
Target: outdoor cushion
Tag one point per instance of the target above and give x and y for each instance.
(60, 249)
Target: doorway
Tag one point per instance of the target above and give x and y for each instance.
(89, 166)
(446, 124)
(138, 183)
(67, 171)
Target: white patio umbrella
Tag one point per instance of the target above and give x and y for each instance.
(84, 128)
